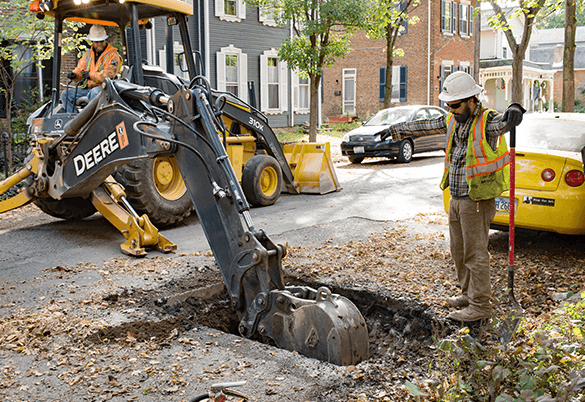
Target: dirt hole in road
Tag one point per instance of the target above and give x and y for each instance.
(400, 330)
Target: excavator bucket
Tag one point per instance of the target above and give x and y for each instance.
(312, 167)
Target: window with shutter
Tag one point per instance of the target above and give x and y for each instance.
(273, 87)
(403, 79)
(230, 10)
(232, 71)
(404, 26)
(382, 83)
(267, 17)
(300, 94)
(470, 13)
(446, 16)
(399, 78)
(463, 20)
(453, 17)
(446, 69)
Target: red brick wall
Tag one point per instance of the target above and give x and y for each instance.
(369, 55)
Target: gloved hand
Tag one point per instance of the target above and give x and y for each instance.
(85, 75)
(71, 75)
(513, 115)
(385, 134)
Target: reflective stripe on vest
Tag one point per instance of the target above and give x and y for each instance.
(101, 66)
(486, 170)
(450, 129)
(486, 160)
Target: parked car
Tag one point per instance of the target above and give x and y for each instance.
(365, 142)
(550, 189)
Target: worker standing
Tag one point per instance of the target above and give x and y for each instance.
(100, 61)
(476, 171)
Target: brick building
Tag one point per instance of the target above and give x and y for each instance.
(440, 43)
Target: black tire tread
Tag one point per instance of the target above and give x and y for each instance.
(250, 175)
(162, 213)
(67, 208)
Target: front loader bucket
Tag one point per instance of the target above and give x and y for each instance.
(312, 167)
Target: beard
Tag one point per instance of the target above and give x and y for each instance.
(463, 116)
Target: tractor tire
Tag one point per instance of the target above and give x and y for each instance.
(154, 187)
(405, 153)
(262, 180)
(355, 159)
(67, 208)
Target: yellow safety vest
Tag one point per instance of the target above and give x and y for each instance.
(487, 171)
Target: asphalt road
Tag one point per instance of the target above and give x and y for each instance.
(376, 191)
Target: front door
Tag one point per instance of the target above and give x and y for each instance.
(349, 76)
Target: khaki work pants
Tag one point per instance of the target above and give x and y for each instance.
(469, 224)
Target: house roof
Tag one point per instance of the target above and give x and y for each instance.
(555, 36)
(508, 62)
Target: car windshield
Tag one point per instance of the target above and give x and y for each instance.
(557, 134)
(389, 116)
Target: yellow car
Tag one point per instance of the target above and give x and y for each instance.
(550, 188)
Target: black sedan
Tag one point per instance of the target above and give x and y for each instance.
(365, 142)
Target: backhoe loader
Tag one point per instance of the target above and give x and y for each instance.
(74, 158)
(154, 186)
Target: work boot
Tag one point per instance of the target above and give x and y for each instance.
(470, 314)
(458, 301)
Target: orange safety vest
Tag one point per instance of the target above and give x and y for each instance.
(487, 172)
(108, 65)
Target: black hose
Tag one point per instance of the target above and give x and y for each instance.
(73, 126)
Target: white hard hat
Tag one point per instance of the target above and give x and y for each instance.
(459, 85)
(97, 33)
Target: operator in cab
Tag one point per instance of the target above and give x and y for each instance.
(100, 61)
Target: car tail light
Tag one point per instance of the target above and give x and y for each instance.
(574, 178)
(548, 175)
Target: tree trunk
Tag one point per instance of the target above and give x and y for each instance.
(390, 41)
(477, 44)
(517, 73)
(518, 49)
(9, 97)
(315, 79)
(568, 104)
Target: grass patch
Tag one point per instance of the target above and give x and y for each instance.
(295, 134)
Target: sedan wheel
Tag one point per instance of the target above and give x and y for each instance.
(405, 155)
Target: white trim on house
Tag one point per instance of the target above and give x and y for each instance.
(241, 74)
(279, 79)
(239, 10)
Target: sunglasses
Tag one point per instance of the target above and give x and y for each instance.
(98, 41)
(454, 106)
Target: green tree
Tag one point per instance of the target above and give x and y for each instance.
(556, 19)
(322, 29)
(527, 11)
(387, 22)
(25, 41)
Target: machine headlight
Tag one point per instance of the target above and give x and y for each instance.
(378, 138)
(345, 138)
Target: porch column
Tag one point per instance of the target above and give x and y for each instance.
(551, 91)
(508, 89)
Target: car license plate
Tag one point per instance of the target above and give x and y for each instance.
(358, 150)
(503, 205)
